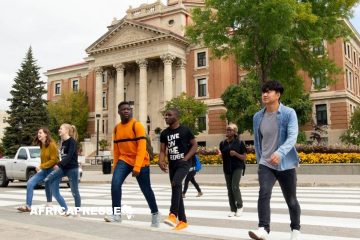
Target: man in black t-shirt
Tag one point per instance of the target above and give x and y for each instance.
(180, 144)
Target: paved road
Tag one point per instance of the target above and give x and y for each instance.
(327, 213)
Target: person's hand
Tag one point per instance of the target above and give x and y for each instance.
(275, 159)
(163, 166)
(135, 173)
(232, 153)
(56, 167)
(37, 169)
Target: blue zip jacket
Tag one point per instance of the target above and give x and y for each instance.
(288, 131)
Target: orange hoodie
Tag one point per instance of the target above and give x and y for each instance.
(132, 152)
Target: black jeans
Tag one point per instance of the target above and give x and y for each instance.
(287, 180)
(233, 187)
(191, 178)
(177, 172)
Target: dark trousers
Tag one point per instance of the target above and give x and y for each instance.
(233, 187)
(191, 178)
(177, 173)
(287, 180)
(121, 171)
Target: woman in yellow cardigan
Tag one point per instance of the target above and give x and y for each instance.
(49, 157)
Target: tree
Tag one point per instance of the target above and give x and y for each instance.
(71, 108)
(274, 39)
(352, 134)
(243, 101)
(190, 111)
(27, 106)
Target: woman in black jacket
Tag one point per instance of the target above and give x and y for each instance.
(233, 153)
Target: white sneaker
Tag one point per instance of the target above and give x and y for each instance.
(112, 218)
(295, 234)
(155, 220)
(231, 214)
(239, 212)
(260, 234)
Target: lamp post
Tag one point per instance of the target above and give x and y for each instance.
(97, 133)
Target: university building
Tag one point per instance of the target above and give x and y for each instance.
(144, 58)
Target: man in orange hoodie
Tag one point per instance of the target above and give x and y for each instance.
(130, 156)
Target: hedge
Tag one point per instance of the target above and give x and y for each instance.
(306, 158)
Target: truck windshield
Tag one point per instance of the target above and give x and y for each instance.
(34, 152)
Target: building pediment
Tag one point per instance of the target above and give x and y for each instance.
(130, 33)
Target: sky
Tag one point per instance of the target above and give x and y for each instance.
(58, 31)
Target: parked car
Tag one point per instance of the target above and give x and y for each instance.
(23, 166)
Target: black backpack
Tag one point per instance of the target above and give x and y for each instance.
(149, 148)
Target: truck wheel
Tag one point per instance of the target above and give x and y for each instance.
(4, 181)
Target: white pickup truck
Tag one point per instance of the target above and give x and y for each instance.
(23, 166)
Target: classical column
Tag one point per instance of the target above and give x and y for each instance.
(142, 90)
(168, 88)
(119, 92)
(98, 98)
(181, 73)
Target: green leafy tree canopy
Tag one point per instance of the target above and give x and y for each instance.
(273, 39)
(190, 110)
(27, 111)
(352, 134)
(71, 108)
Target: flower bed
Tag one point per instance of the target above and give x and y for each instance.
(306, 158)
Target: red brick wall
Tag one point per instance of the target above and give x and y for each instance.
(216, 124)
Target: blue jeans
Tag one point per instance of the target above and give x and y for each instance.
(35, 180)
(122, 170)
(54, 179)
(287, 180)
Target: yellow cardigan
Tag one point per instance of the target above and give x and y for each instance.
(49, 156)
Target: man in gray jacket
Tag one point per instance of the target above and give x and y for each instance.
(275, 135)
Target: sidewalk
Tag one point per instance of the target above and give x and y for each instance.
(249, 180)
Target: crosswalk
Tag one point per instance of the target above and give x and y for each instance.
(327, 213)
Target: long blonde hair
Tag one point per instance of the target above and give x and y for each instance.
(72, 130)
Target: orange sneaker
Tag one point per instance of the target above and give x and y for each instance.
(171, 220)
(181, 225)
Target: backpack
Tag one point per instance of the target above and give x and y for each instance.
(197, 166)
(149, 148)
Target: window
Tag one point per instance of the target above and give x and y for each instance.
(57, 88)
(318, 82)
(321, 114)
(4, 119)
(319, 49)
(349, 80)
(75, 85)
(202, 82)
(201, 59)
(104, 77)
(354, 57)
(348, 50)
(345, 49)
(22, 154)
(104, 96)
(202, 123)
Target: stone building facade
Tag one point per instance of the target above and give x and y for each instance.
(145, 59)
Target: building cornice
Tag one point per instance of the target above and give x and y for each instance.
(162, 34)
(70, 68)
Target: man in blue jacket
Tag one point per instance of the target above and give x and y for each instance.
(275, 135)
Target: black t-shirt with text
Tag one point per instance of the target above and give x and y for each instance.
(177, 142)
(230, 163)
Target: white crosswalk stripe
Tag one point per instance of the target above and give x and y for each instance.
(327, 213)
